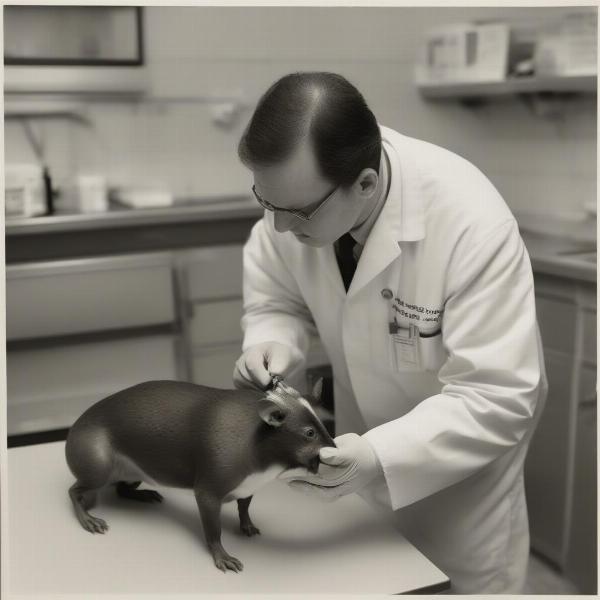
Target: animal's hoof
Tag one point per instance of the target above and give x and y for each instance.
(230, 563)
(250, 530)
(140, 495)
(94, 524)
(149, 496)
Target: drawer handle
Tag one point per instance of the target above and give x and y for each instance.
(589, 401)
(190, 310)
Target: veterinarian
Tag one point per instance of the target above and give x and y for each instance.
(406, 261)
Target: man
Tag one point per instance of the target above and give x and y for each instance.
(411, 268)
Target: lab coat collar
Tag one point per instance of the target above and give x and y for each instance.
(404, 209)
(402, 218)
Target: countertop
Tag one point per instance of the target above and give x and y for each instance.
(213, 208)
(560, 247)
(557, 246)
(305, 546)
(189, 223)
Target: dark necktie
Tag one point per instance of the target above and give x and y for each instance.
(345, 258)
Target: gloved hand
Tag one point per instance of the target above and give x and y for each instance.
(343, 470)
(256, 367)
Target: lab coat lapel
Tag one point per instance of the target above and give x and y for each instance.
(379, 251)
(402, 217)
(332, 269)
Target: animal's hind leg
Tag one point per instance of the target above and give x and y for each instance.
(82, 498)
(128, 490)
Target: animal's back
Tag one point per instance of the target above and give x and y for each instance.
(163, 427)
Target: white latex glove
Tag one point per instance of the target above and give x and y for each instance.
(256, 367)
(343, 470)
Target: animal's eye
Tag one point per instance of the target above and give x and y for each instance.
(310, 432)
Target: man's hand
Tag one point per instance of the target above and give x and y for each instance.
(256, 367)
(343, 470)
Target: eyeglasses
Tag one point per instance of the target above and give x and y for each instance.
(297, 213)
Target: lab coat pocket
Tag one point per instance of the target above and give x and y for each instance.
(431, 351)
(404, 350)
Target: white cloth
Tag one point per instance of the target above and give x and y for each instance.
(451, 432)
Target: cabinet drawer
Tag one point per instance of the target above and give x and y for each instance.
(214, 367)
(216, 322)
(49, 388)
(215, 272)
(86, 295)
(556, 319)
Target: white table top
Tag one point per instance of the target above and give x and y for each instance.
(305, 547)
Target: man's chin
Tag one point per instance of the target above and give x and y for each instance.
(309, 241)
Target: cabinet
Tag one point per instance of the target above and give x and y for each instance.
(49, 386)
(581, 564)
(210, 282)
(74, 49)
(547, 466)
(54, 298)
(79, 330)
(560, 471)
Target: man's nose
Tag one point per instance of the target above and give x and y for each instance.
(283, 221)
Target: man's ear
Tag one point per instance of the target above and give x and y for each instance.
(270, 412)
(366, 183)
(316, 392)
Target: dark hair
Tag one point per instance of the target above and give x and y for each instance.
(342, 129)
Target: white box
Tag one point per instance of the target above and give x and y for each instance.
(24, 190)
(569, 48)
(464, 52)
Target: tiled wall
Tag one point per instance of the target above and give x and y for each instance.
(202, 52)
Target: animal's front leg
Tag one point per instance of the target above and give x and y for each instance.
(210, 513)
(246, 525)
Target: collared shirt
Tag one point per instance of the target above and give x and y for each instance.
(361, 232)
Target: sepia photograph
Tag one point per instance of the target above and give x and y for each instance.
(300, 299)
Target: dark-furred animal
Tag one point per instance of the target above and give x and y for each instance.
(223, 444)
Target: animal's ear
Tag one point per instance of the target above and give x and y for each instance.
(317, 392)
(270, 412)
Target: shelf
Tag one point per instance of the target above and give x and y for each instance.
(73, 106)
(585, 84)
(18, 109)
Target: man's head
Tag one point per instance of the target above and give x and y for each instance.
(313, 144)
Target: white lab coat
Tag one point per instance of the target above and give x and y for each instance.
(452, 431)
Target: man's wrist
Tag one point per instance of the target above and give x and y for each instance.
(375, 467)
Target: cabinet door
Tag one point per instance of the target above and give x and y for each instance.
(216, 322)
(582, 564)
(546, 465)
(48, 388)
(58, 298)
(214, 366)
(556, 318)
(214, 272)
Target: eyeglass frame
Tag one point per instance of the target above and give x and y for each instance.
(297, 213)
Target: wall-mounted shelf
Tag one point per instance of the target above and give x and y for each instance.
(29, 109)
(586, 84)
(74, 106)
